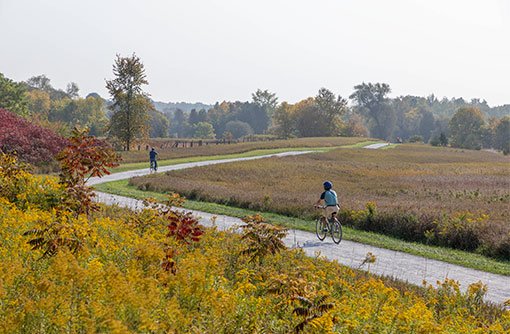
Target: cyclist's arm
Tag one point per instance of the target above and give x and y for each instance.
(320, 202)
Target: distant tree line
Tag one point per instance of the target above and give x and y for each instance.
(371, 113)
(170, 107)
(472, 125)
(130, 114)
(226, 119)
(60, 110)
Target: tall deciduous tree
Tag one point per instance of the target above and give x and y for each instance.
(40, 82)
(371, 101)
(466, 128)
(193, 117)
(202, 116)
(267, 101)
(252, 114)
(131, 105)
(309, 119)
(72, 90)
(355, 127)
(426, 124)
(331, 108)
(159, 124)
(238, 129)
(502, 135)
(12, 96)
(179, 127)
(283, 121)
(39, 102)
(203, 130)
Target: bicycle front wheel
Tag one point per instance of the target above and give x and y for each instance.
(321, 228)
(336, 231)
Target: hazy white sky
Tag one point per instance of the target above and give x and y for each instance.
(225, 49)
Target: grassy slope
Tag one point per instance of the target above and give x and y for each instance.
(465, 259)
(140, 165)
(413, 178)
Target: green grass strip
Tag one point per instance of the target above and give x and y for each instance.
(361, 144)
(465, 259)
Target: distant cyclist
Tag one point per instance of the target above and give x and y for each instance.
(328, 200)
(153, 159)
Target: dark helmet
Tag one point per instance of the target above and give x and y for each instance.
(327, 185)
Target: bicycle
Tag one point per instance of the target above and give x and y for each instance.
(332, 226)
(153, 167)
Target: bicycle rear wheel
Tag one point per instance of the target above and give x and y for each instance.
(336, 231)
(321, 228)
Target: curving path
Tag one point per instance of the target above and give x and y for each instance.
(411, 268)
(376, 146)
(145, 171)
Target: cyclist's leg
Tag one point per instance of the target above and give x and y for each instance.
(325, 218)
(329, 212)
(155, 165)
(333, 211)
(325, 214)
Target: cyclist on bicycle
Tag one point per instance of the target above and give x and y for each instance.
(153, 158)
(328, 201)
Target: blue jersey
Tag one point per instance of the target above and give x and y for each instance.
(152, 155)
(330, 198)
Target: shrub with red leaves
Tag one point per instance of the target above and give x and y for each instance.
(84, 157)
(31, 143)
(184, 228)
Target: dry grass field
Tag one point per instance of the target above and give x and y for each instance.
(221, 149)
(447, 192)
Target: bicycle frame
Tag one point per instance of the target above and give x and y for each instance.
(325, 225)
(153, 166)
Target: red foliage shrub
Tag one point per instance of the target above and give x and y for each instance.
(184, 228)
(31, 143)
(84, 157)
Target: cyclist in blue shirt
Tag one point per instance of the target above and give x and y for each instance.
(328, 200)
(152, 156)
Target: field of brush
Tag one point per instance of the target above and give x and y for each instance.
(224, 149)
(448, 197)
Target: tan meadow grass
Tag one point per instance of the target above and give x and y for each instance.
(410, 177)
(414, 179)
(222, 149)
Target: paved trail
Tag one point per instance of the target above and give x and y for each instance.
(376, 146)
(413, 269)
(145, 171)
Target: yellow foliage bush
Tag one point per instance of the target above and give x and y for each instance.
(116, 284)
